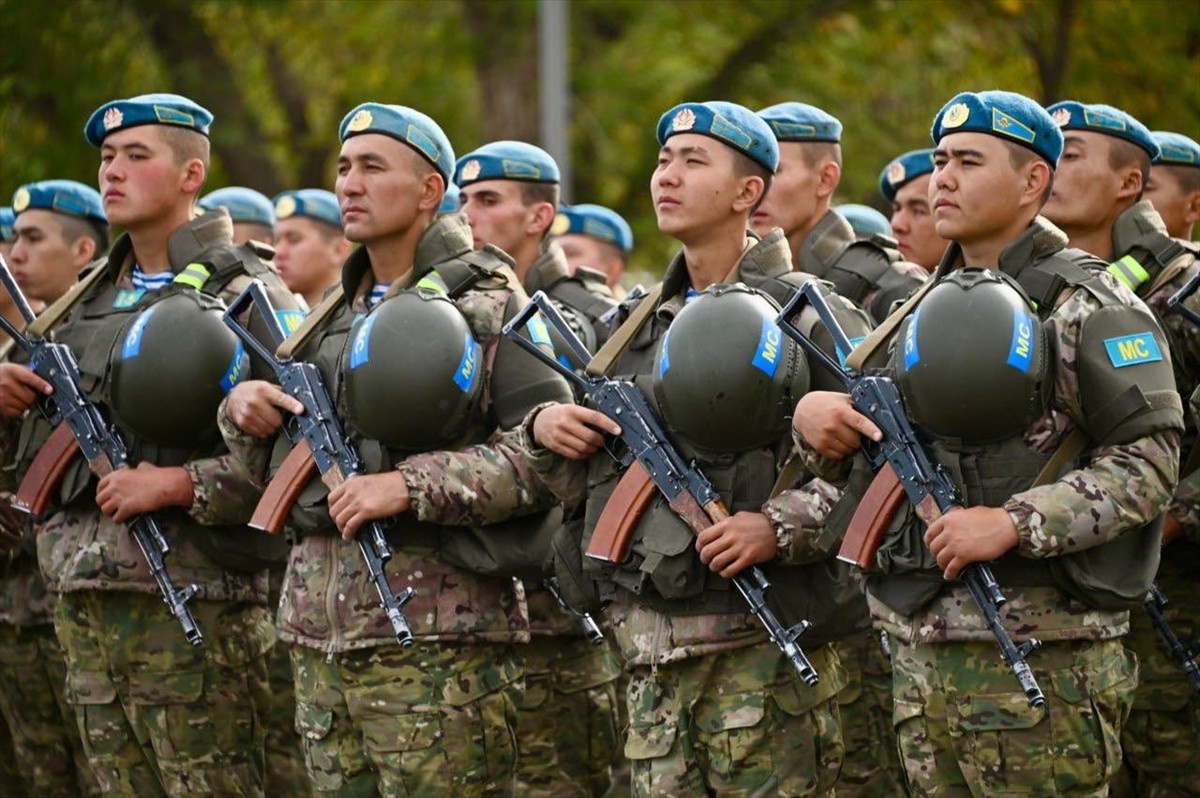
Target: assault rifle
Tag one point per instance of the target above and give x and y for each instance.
(69, 408)
(904, 469)
(653, 462)
(591, 629)
(1186, 655)
(318, 440)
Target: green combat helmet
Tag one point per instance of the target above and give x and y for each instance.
(972, 363)
(411, 371)
(726, 378)
(171, 367)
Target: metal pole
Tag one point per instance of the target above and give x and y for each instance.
(553, 86)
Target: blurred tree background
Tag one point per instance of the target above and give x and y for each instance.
(280, 74)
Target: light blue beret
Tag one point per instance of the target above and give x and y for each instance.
(908, 166)
(7, 217)
(595, 221)
(405, 125)
(802, 122)
(729, 123)
(1096, 118)
(146, 109)
(506, 160)
(1005, 115)
(244, 205)
(315, 203)
(865, 220)
(1176, 149)
(60, 196)
(451, 200)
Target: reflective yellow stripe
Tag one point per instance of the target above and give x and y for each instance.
(195, 275)
(434, 282)
(1129, 271)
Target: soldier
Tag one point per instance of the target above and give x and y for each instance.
(436, 718)
(7, 238)
(60, 228)
(1096, 200)
(714, 707)
(865, 221)
(567, 714)
(253, 214)
(1174, 187)
(905, 183)
(158, 714)
(956, 704)
(822, 242)
(596, 237)
(309, 245)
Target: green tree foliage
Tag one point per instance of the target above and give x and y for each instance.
(280, 74)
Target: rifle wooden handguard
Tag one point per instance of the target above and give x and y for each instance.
(871, 519)
(46, 471)
(284, 488)
(620, 516)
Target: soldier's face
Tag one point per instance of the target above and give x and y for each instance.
(498, 215)
(1178, 207)
(694, 186)
(975, 190)
(912, 224)
(378, 187)
(140, 181)
(43, 262)
(307, 257)
(1086, 186)
(584, 250)
(792, 201)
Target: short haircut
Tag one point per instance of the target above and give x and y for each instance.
(1122, 154)
(76, 227)
(815, 152)
(745, 166)
(532, 193)
(186, 144)
(1019, 156)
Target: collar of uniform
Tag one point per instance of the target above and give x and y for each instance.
(448, 237)
(1134, 224)
(1040, 239)
(549, 269)
(356, 273)
(768, 257)
(186, 243)
(824, 244)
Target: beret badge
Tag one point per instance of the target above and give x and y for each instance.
(471, 170)
(361, 121)
(20, 200)
(1061, 117)
(896, 172)
(113, 118)
(684, 120)
(956, 116)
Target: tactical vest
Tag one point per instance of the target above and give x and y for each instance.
(1112, 576)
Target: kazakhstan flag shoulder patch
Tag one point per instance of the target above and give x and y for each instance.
(1131, 350)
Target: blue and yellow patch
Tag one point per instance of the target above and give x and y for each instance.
(1131, 350)
(912, 354)
(1093, 117)
(289, 320)
(128, 297)
(1010, 126)
(725, 130)
(133, 339)
(467, 371)
(360, 353)
(770, 346)
(1020, 352)
(843, 355)
(236, 372)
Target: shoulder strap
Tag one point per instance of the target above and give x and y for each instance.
(619, 341)
(52, 315)
(886, 328)
(312, 322)
(1066, 452)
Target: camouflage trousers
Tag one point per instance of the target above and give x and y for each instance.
(735, 723)
(45, 738)
(567, 723)
(1161, 740)
(871, 768)
(965, 727)
(286, 775)
(14, 784)
(434, 720)
(159, 716)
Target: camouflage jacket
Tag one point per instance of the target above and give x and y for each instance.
(1119, 488)
(328, 601)
(81, 549)
(860, 270)
(1138, 235)
(651, 629)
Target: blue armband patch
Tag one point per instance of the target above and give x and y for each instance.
(1130, 350)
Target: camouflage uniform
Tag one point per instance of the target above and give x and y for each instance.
(714, 707)
(864, 272)
(8, 764)
(157, 714)
(567, 716)
(436, 719)
(1161, 741)
(948, 684)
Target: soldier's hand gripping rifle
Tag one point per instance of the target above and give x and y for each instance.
(654, 462)
(317, 439)
(905, 469)
(69, 408)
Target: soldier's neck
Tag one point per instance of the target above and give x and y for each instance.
(984, 251)
(709, 259)
(151, 242)
(798, 235)
(1096, 241)
(524, 255)
(393, 256)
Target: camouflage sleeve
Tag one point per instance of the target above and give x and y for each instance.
(254, 453)
(828, 469)
(566, 479)
(798, 516)
(1186, 506)
(477, 485)
(223, 491)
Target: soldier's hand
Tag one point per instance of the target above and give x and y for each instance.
(965, 536)
(19, 387)
(257, 407)
(572, 431)
(828, 422)
(367, 497)
(741, 540)
(127, 492)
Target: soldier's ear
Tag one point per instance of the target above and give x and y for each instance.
(1192, 209)
(1038, 178)
(831, 175)
(433, 187)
